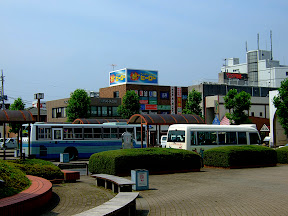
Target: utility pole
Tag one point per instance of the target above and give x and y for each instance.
(3, 108)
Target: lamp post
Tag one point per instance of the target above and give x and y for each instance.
(38, 96)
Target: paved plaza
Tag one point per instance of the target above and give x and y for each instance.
(213, 191)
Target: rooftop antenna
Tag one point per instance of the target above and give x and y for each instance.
(271, 43)
(258, 40)
(113, 66)
(246, 47)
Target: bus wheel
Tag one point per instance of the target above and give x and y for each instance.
(73, 153)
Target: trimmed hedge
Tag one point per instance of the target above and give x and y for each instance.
(240, 156)
(40, 168)
(156, 160)
(15, 180)
(282, 155)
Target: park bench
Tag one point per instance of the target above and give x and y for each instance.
(115, 183)
(124, 203)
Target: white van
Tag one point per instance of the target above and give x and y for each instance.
(10, 143)
(163, 141)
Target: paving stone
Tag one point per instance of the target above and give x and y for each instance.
(245, 192)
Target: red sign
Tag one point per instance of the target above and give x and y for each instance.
(143, 101)
(150, 107)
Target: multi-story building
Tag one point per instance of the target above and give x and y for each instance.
(259, 70)
(153, 97)
(103, 108)
(213, 99)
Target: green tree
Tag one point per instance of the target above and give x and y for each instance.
(78, 105)
(14, 127)
(193, 103)
(130, 105)
(281, 103)
(237, 103)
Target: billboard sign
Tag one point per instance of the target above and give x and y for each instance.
(239, 76)
(142, 76)
(117, 77)
(133, 76)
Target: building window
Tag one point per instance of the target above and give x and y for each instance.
(252, 113)
(59, 112)
(260, 113)
(287, 73)
(116, 94)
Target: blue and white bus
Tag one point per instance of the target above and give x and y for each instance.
(48, 141)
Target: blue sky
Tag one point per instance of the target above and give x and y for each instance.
(55, 47)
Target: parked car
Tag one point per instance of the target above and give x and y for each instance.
(10, 143)
(163, 141)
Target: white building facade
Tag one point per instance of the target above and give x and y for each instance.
(260, 67)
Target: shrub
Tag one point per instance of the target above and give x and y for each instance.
(156, 160)
(282, 155)
(40, 168)
(15, 180)
(240, 156)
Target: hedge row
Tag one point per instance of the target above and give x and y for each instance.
(240, 156)
(14, 179)
(156, 160)
(282, 155)
(40, 168)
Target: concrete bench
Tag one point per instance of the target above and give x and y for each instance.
(124, 203)
(115, 183)
(71, 176)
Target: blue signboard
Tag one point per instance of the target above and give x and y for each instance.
(216, 121)
(164, 95)
(142, 106)
(117, 77)
(142, 76)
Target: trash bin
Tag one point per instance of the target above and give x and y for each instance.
(64, 157)
(141, 179)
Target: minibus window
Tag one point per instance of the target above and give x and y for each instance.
(193, 138)
(207, 138)
(242, 139)
(254, 138)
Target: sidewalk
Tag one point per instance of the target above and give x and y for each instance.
(252, 191)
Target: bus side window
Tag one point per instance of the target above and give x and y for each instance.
(106, 133)
(242, 139)
(88, 133)
(114, 133)
(97, 132)
(193, 141)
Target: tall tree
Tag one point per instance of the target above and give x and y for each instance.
(130, 105)
(193, 103)
(237, 103)
(78, 105)
(281, 103)
(17, 105)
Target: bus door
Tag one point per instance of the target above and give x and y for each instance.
(57, 134)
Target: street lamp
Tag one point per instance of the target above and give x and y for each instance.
(38, 96)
